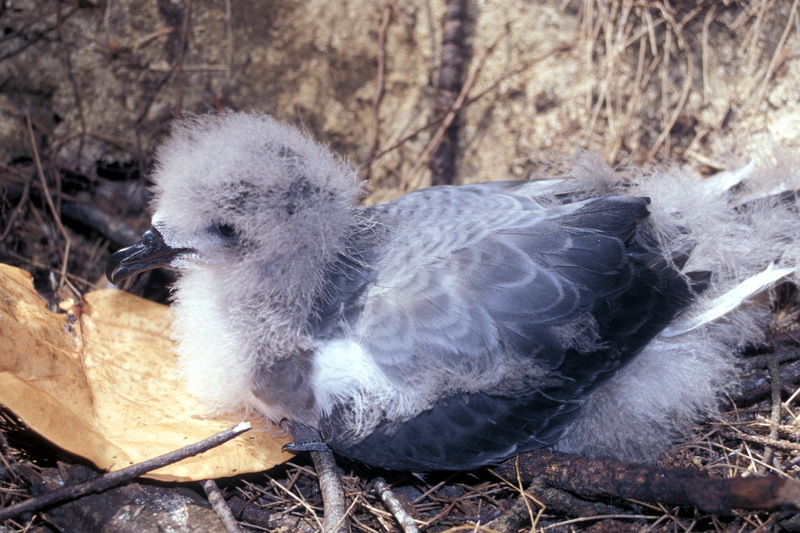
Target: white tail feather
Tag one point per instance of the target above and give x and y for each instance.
(722, 305)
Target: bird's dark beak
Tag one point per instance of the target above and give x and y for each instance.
(149, 253)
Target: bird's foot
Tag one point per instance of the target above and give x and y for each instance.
(306, 439)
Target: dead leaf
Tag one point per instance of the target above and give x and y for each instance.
(101, 382)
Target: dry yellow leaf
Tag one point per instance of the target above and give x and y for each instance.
(102, 383)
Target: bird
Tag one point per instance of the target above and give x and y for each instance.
(596, 312)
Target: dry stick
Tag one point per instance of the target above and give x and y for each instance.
(622, 129)
(183, 42)
(528, 497)
(300, 500)
(431, 493)
(53, 211)
(199, 67)
(484, 92)
(754, 33)
(608, 477)
(462, 100)
(15, 111)
(332, 491)
(112, 479)
(434, 143)
(391, 502)
(705, 56)
(687, 86)
(600, 518)
(521, 511)
(365, 170)
(766, 441)
(442, 163)
(779, 52)
(12, 218)
(547, 499)
(229, 36)
(220, 506)
(28, 261)
(775, 415)
(612, 38)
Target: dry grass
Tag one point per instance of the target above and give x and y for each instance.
(466, 502)
(653, 65)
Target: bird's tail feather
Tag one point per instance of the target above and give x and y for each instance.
(744, 229)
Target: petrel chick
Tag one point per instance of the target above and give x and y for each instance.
(454, 327)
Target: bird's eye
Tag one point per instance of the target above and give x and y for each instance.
(224, 230)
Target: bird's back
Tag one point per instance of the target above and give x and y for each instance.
(482, 320)
(456, 326)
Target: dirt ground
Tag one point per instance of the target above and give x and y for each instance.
(413, 93)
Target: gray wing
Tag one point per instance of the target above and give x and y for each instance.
(470, 281)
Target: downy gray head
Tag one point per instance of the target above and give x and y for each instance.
(246, 189)
(249, 210)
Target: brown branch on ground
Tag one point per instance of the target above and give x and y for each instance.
(685, 487)
(394, 505)
(220, 506)
(335, 519)
(540, 495)
(247, 511)
(112, 479)
(773, 442)
(775, 414)
(757, 382)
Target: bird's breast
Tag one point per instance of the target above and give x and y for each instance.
(343, 369)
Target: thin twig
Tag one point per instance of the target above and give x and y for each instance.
(394, 505)
(775, 414)
(377, 96)
(36, 264)
(413, 182)
(438, 120)
(112, 479)
(220, 506)
(26, 190)
(780, 53)
(53, 211)
(299, 499)
(330, 483)
(663, 138)
(229, 44)
(183, 42)
(706, 52)
(454, 55)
